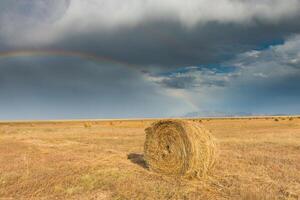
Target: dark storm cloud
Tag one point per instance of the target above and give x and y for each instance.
(173, 35)
(170, 45)
(51, 87)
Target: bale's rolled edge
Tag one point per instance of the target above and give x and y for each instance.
(180, 148)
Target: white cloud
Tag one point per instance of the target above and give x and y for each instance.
(283, 56)
(104, 15)
(194, 78)
(190, 12)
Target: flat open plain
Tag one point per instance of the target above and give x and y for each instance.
(259, 158)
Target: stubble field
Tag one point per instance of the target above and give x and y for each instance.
(259, 158)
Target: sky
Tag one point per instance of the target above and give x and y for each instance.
(74, 59)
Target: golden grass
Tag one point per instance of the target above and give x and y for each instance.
(259, 159)
(179, 148)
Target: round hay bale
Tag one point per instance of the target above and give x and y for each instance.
(180, 148)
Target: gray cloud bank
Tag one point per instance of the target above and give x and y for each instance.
(195, 55)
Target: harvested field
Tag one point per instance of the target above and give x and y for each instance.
(259, 158)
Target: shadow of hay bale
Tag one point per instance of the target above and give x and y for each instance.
(137, 159)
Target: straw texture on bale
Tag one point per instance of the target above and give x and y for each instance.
(180, 148)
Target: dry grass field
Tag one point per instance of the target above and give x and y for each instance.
(259, 158)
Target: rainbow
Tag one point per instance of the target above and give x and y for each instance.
(63, 53)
